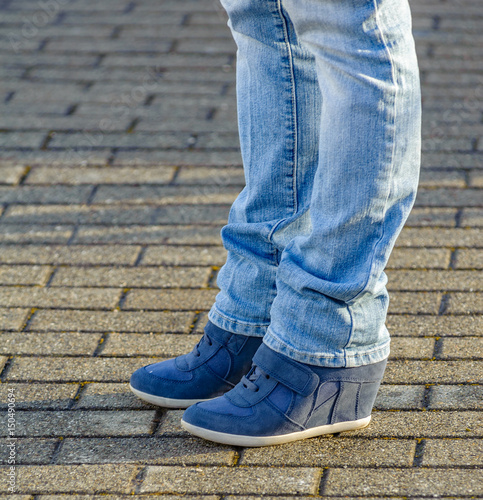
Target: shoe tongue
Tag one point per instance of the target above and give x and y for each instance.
(186, 361)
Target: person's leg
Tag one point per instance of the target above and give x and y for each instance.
(325, 350)
(279, 107)
(278, 113)
(331, 301)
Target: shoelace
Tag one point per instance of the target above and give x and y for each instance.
(204, 339)
(252, 376)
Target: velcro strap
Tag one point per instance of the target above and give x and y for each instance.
(289, 372)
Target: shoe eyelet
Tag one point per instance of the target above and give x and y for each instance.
(267, 376)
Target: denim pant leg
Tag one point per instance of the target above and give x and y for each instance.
(279, 114)
(331, 300)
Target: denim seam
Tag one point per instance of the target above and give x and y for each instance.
(294, 106)
(393, 138)
(351, 332)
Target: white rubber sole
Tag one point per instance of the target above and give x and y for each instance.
(238, 440)
(165, 402)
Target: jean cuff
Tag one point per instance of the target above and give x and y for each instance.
(346, 358)
(236, 326)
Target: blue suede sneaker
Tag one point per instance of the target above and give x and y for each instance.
(282, 400)
(215, 365)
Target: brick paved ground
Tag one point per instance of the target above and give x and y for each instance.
(119, 162)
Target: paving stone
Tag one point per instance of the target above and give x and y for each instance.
(38, 108)
(45, 194)
(21, 139)
(39, 479)
(167, 61)
(435, 280)
(73, 254)
(400, 397)
(142, 344)
(56, 369)
(13, 319)
(171, 424)
(188, 7)
(180, 255)
(194, 125)
(473, 218)
(132, 277)
(134, 74)
(422, 372)
(447, 197)
(78, 214)
(39, 396)
(202, 480)
(61, 157)
(421, 217)
(27, 451)
(197, 235)
(166, 195)
(415, 303)
(100, 396)
(127, 105)
(188, 158)
(453, 452)
(166, 451)
(435, 326)
(3, 361)
(206, 46)
(64, 123)
(333, 452)
(82, 423)
(182, 299)
(476, 178)
(24, 275)
(153, 85)
(112, 46)
(105, 496)
(11, 174)
(107, 17)
(415, 258)
(218, 176)
(139, 140)
(440, 237)
(421, 424)
(465, 303)
(453, 160)
(60, 298)
(248, 497)
(411, 348)
(59, 343)
(466, 348)
(456, 397)
(404, 482)
(12, 496)
(469, 259)
(14, 233)
(102, 321)
(103, 175)
(439, 178)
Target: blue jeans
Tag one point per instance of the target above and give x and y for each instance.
(329, 119)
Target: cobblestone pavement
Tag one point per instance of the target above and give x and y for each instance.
(119, 162)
